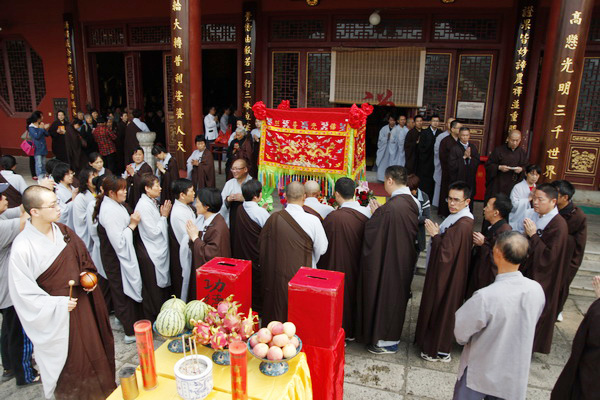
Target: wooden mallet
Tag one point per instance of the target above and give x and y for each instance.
(71, 283)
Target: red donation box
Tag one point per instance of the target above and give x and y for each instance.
(316, 305)
(221, 277)
(326, 366)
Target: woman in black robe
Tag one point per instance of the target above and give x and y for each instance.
(57, 130)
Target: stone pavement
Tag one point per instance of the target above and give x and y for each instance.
(405, 375)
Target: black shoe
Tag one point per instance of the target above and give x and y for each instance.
(7, 375)
(37, 380)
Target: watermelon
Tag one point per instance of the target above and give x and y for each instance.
(196, 310)
(170, 322)
(174, 303)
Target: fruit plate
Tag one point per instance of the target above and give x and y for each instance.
(175, 346)
(271, 367)
(220, 357)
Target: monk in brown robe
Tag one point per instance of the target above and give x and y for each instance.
(548, 258)
(250, 219)
(168, 172)
(447, 144)
(446, 278)
(410, 145)
(130, 142)
(577, 224)
(77, 157)
(389, 254)
(211, 239)
(201, 165)
(580, 379)
(53, 317)
(483, 269)
(239, 148)
(463, 161)
(345, 228)
(135, 173)
(290, 239)
(312, 205)
(504, 168)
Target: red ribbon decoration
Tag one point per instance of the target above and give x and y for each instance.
(357, 117)
(284, 105)
(367, 109)
(260, 110)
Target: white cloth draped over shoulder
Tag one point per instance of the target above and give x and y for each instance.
(387, 145)
(180, 215)
(519, 196)
(256, 213)
(154, 232)
(142, 125)
(313, 228)
(366, 211)
(80, 205)
(64, 198)
(45, 318)
(232, 186)
(315, 204)
(115, 220)
(447, 223)
(196, 155)
(92, 227)
(540, 221)
(437, 172)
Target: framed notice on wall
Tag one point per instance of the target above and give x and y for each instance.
(470, 110)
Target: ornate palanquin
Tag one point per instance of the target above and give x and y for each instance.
(323, 144)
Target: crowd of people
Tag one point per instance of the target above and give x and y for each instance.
(498, 291)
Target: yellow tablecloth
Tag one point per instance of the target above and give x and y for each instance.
(166, 390)
(293, 385)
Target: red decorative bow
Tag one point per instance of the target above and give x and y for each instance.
(367, 108)
(357, 117)
(284, 105)
(260, 110)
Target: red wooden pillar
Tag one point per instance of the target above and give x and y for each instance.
(133, 81)
(186, 53)
(567, 27)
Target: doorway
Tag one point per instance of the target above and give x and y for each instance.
(110, 70)
(219, 79)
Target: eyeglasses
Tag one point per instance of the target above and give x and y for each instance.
(55, 205)
(450, 200)
(238, 169)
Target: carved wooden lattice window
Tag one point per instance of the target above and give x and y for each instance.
(298, 29)
(466, 29)
(435, 91)
(318, 79)
(587, 118)
(388, 29)
(150, 34)
(285, 78)
(219, 33)
(594, 35)
(22, 83)
(102, 36)
(169, 82)
(473, 83)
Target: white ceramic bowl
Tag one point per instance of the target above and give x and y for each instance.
(194, 386)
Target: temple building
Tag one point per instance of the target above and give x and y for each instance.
(532, 65)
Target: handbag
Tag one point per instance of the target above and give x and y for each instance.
(223, 137)
(28, 147)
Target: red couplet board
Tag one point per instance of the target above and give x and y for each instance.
(221, 277)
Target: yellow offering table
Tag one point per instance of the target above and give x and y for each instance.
(295, 384)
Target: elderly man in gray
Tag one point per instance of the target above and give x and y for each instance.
(497, 326)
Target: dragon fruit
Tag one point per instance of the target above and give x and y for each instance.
(247, 326)
(218, 341)
(203, 333)
(226, 305)
(212, 317)
(234, 337)
(232, 322)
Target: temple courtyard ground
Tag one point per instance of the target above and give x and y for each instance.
(405, 375)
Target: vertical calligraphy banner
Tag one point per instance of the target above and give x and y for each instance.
(180, 50)
(71, 64)
(520, 66)
(564, 64)
(248, 62)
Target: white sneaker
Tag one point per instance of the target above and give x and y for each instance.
(129, 339)
(559, 318)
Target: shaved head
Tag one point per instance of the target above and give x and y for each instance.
(294, 192)
(35, 196)
(312, 188)
(240, 163)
